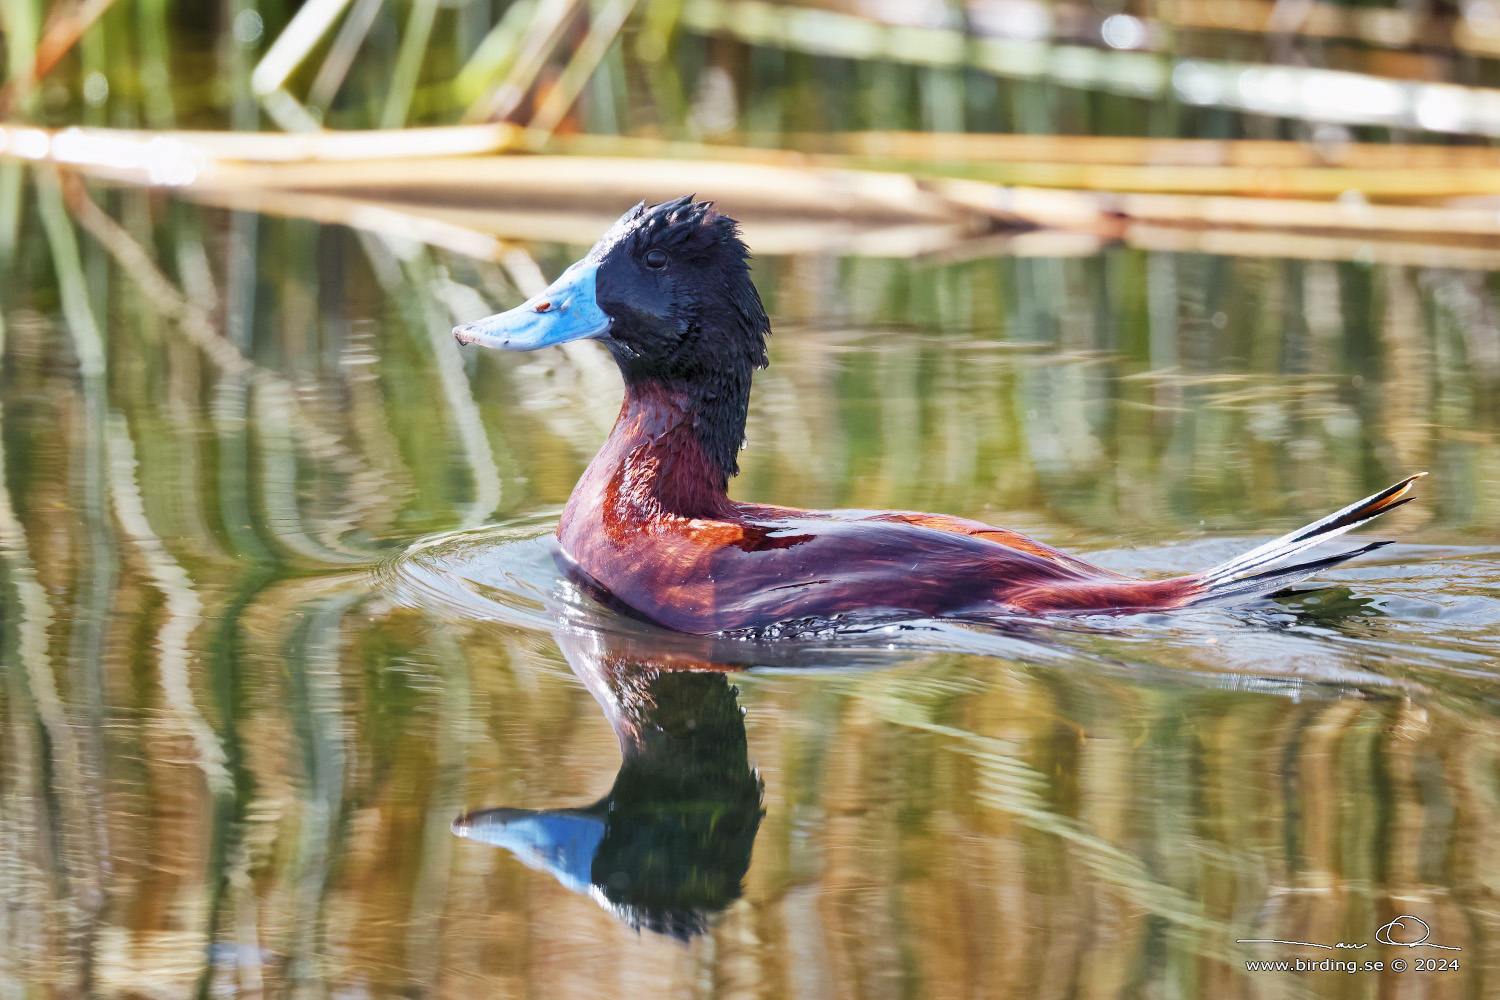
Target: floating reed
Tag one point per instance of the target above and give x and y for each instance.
(793, 202)
(1406, 171)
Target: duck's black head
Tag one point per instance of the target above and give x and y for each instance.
(667, 290)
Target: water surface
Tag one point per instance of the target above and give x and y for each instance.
(274, 617)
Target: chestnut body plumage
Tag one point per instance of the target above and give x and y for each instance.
(668, 292)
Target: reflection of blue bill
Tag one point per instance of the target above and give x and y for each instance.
(563, 842)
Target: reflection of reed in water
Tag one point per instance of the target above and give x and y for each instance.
(670, 844)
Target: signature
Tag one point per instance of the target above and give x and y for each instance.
(1401, 933)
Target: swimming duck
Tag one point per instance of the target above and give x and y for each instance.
(667, 291)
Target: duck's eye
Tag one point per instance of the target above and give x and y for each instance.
(656, 259)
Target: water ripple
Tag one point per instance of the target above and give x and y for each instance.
(1419, 616)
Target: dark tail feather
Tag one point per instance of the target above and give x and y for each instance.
(1261, 571)
(1273, 581)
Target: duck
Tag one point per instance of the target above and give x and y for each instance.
(667, 291)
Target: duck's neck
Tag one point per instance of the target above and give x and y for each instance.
(665, 456)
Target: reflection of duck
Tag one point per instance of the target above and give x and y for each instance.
(670, 843)
(667, 290)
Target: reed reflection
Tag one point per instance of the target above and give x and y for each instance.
(670, 844)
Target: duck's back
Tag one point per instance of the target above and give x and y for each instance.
(760, 566)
